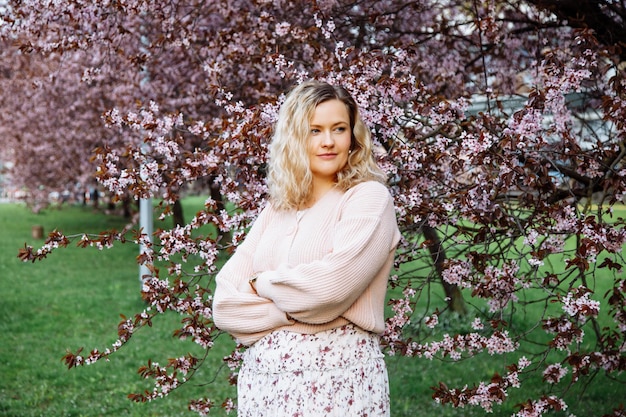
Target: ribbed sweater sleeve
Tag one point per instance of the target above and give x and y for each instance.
(236, 309)
(321, 290)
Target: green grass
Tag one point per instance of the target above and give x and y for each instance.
(74, 299)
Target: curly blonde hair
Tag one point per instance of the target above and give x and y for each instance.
(289, 174)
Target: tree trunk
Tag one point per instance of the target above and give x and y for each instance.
(225, 237)
(592, 14)
(215, 194)
(126, 206)
(455, 299)
(177, 214)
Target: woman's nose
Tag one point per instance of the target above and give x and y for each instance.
(328, 140)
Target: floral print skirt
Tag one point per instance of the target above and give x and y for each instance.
(339, 373)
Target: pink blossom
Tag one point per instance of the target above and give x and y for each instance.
(554, 373)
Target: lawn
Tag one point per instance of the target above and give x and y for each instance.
(74, 299)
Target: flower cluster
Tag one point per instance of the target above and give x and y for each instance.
(485, 394)
(578, 305)
(554, 373)
(469, 344)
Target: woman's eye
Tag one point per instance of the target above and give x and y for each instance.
(340, 129)
(315, 131)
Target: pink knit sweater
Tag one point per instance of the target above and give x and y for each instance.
(318, 269)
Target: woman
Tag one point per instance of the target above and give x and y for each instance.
(306, 289)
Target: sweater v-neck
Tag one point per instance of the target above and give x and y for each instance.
(319, 201)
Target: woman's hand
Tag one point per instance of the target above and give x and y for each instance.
(252, 282)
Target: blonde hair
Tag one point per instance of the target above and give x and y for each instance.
(289, 174)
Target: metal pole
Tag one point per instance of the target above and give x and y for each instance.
(145, 204)
(145, 224)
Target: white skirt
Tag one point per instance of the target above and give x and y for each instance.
(339, 372)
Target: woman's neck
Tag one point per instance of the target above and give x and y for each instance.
(317, 193)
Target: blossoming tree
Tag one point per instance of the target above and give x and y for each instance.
(500, 123)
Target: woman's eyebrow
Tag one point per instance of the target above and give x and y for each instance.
(340, 122)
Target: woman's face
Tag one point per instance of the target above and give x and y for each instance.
(329, 141)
